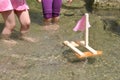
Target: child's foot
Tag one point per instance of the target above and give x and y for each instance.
(29, 39)
(9, 42)
(6, 39)
(55, 26)
(46, 27)
(51, 27)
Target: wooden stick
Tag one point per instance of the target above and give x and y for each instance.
(74, 48)
(86, 30)
(87, 35)
(91, 49)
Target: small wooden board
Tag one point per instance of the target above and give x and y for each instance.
(88, 54)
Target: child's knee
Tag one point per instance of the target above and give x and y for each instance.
(26, 23)
(13, 25)
(10, 25)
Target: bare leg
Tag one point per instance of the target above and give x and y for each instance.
(9, 19)
(47, 21)
(24, 19)
(55, 20)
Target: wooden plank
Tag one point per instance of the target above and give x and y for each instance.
(88, 54)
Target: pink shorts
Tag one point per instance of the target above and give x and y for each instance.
(19, 5)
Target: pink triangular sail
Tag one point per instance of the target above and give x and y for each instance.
(81, 24)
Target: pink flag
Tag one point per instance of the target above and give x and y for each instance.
(81, 24)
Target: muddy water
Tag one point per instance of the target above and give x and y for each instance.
(111, 19)
(49, 59)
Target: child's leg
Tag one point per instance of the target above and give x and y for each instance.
(56, 10)
(47, 21)
(47, 10)
(9, 19)
(24, 19)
